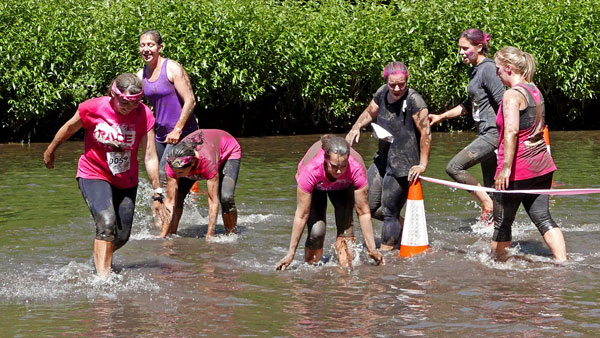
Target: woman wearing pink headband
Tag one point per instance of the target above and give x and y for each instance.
(402, 112)
(116, 126)
(485, 93)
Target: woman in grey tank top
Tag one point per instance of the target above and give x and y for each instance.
(485, 93)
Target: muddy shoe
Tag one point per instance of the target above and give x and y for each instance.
(487, 217)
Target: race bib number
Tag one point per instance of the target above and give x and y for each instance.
(118, 162)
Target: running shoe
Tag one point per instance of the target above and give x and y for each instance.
(487, 217)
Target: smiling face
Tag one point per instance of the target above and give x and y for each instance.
(469, 52)
(149, 48)
(336, 165)
(397, 85)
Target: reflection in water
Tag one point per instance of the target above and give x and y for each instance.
(184, 286)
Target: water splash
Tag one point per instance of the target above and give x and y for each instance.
(74, 280)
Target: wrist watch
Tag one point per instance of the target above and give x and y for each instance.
(160, 192)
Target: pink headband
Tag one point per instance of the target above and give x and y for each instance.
(129, 98)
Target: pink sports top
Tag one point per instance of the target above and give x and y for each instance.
(214, 147)
(311, 172)
(111, 142)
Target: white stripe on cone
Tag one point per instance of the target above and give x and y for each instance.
(414, 232)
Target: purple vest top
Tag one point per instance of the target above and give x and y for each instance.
(167, 105)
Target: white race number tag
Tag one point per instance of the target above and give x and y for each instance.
(119, 162)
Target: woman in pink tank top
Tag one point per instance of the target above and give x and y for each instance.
(524, 162)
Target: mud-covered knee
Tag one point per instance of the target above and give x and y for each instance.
(228, 203)
(452, 170)
(105, 225)
(316, 236)
(546, 224)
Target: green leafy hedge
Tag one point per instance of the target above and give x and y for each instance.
(267, 67)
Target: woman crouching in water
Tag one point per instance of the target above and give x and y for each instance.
(331, 168)
(206, 154)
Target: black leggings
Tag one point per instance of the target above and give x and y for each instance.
(375, 178)
(478, 151)
(343, 203)
(228, 175)
(536, 206)
(395, 193)
(111, 208)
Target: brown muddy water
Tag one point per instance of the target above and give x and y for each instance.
(185, 287)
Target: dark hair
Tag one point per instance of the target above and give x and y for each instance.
(154, 34)
(181, 154)
(334, 144)
(128, 82)
(393, 68)
(477, 37)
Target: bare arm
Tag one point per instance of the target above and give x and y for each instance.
(212, 186)
(422, 123)
(300, 219)
(159, 212)
(171, 216)
(63, 134)
(364, 119)
(510, 111)
(150, 158)
(183, 86)
(447, 115)
(366, 225)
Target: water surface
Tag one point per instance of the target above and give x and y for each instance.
(184, 286)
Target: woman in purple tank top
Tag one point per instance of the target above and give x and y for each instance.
(168, 89)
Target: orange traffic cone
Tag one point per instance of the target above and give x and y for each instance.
(195, 188)
(546, 134)
(414, 234)
(547, 138)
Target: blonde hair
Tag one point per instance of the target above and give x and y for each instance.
(522, 62)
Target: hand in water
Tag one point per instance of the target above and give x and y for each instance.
(49, 159)
(284, 262)
(377, 257)
(161, 213)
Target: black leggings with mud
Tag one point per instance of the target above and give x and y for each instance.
(536, 206)
(111, 208)
(343, 203)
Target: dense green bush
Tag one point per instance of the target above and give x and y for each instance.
(265, 67)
